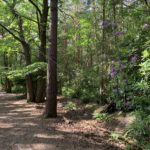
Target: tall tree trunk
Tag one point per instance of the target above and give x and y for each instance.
(41, 82)
(102, 70)
(51, 103)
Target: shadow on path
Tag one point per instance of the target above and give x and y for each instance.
(22, 128)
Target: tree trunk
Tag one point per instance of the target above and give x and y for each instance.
(29, 80)
(41, 82)
(41, 88)
(102, 57)
(30, 92)
(51, 95)
(8, 83)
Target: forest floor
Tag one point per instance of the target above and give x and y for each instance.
(22, 127)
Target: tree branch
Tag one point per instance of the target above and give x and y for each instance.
(28, 18)
(37, 8)
(10, 32)
(147, 4)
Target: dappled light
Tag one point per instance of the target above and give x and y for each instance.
(22, 127)
(74, 74)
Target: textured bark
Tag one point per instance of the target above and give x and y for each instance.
(27, 54)
(42, 32)
(51, 95)
(41, 83)
(29, 80)
(8, 86)
(30, 92)
(41, 89)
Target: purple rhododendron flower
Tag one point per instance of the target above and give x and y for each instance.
(134, 58)
(113, 72)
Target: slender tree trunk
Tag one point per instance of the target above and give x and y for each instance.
(29, 80)
(102, 70)
(42, 32)
(114, 18)
(27, 52)
(51, 103)
(8, 83)
(41, 82)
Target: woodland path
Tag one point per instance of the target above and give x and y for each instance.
(22, 128)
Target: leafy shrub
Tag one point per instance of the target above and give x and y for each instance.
(147, 146)
(68, 91)
(71, 106)
(18, 89)
(101, 116)
(140, 128)
(115, 136)
(33, 69)
(16, 76)
(83, 86)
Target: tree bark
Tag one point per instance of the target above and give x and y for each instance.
(29, 80)
(51, 95)
(27, 52)
(41, 82)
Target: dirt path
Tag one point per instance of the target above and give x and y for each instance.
(22, 128)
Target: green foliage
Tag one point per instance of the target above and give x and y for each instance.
(16, 75)
(68, 91)
(147, 146)
(18, 89)
(145, 68)
(129, 147)
(85, 85)
(140, 128)
(114, 136)
(91, 43)
(70, 106)
(33, 69)
(102, 116)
